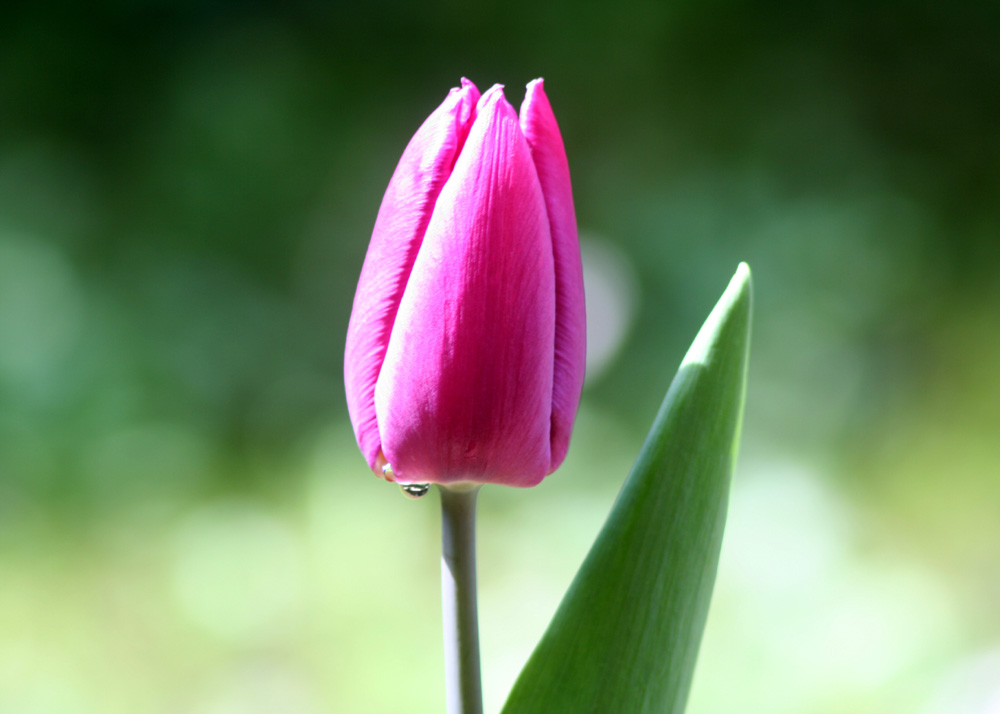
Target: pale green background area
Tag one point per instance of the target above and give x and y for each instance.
(186, 194)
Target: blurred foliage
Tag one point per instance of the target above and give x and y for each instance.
(186, 193)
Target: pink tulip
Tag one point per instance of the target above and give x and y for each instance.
(465, 350)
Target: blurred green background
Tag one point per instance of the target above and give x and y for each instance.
(186, 194)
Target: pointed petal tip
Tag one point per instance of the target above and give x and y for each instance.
(493, 94)
(535, 85)
(469, 86)
(465, 92)
(493, 101)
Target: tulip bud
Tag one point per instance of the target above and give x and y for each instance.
(465, 350)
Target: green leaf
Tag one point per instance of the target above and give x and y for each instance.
(625, 637)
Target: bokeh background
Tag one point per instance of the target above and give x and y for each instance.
(186, 194)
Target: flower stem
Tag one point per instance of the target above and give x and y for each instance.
(463, 687)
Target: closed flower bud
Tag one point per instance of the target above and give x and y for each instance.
(465, 350)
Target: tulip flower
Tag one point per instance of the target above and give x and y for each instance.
(465, 351)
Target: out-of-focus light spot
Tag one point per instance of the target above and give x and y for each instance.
(612, 290)
(237, 572)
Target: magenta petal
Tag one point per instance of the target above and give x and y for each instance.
(399, 230)
(540, 129)
(465, 391)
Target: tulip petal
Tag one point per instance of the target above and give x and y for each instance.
(399, 231)
(540, 129)
(465, 390)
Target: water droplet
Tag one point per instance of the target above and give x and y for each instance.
(416, 490)
(387, 473)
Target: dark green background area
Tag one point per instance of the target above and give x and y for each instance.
(186, 194)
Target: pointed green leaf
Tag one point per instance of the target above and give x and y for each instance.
(625, 637)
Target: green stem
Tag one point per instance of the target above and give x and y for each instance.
(463, 687)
